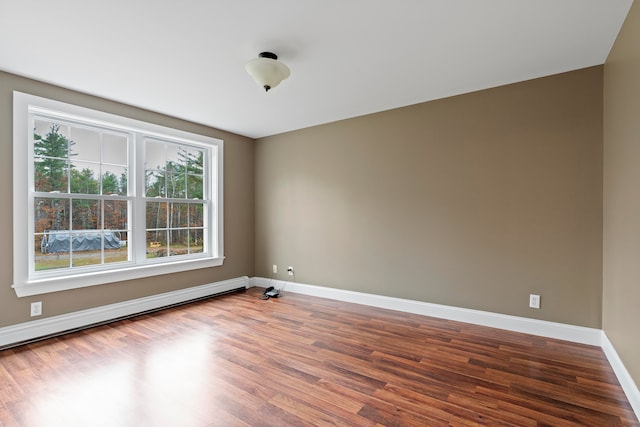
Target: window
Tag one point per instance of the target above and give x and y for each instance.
(100, 198)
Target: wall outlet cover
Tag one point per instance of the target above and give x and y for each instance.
(36, 308)
(534, 301)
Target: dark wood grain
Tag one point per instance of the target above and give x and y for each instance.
(237, 360)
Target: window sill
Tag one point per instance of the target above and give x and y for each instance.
(76, 281)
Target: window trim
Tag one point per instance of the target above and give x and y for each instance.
(24, 282)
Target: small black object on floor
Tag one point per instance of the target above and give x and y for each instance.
(271, 292)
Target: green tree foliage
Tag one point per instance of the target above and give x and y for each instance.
(110, 183)
(194, 166)
(123, 183)
(84, 182)
(51, 155)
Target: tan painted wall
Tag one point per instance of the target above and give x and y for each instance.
(472, 201)
(621, 301)
(238, 211)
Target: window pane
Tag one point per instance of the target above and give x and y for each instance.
(50, 214)
(155, 183)
(174, 158)
(85, 177)
(176, 186)
(86, 214)
(156, 215)
(115, 244)
(86, 248)
(155, 157)
(196, 215)
(196, 242)
(51, 149)
(86, 144)
(115, 149)
(124, 182)
(156, 243)
(114, 180)
(51, 250)
(178, 242)
(116, 215)
(124, 238)
(194, 160)
(50, 175)
(179, 213)
(44, 128)
(194, 187)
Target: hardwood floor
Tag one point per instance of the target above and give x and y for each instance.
(236, 360)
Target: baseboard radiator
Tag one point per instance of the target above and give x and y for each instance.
(37, 330)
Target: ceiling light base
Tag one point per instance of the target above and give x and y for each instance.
(268, 55)
(267, 71)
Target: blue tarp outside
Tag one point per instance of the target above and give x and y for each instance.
(59, 240)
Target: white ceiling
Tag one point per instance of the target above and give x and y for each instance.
(347, 57)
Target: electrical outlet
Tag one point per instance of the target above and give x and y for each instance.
(275, 269)
(290, 271)
(534, 301)
(36, 308)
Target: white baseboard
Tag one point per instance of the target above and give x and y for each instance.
(28, 331)
(624, 378)
(579, 334)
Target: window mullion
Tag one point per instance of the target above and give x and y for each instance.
(139, 209)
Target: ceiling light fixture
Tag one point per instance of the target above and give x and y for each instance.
(267, 71)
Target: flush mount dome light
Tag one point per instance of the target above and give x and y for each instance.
(267, 71)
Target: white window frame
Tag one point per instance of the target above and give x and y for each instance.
(28, 282)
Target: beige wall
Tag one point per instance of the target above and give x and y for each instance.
(621, 301)
(472, 201)
(238, 211)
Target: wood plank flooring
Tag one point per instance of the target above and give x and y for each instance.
(236, 360)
